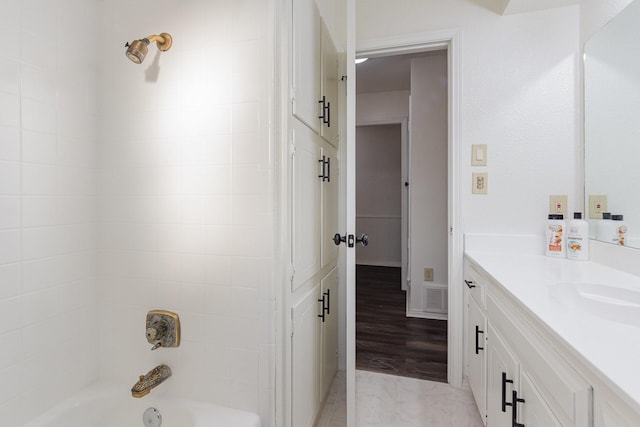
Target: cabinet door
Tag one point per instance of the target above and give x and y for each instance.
(534, 411)
(329, 331)
(330, 207)
(476, 344)
(306, 205)
(611, 412)
(306, 63)
(329, 87)
(305, 354)
(502, 379)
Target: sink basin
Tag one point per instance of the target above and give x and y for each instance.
(615, 303)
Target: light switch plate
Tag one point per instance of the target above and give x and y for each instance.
(558, 204)
(597, 205)
(479, 155)
(480, 183)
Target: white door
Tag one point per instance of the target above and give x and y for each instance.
(305, 357)
(502, 379)
(532, 411)
(329, 330)
(306, 251)
(476, 353)
(306, 62)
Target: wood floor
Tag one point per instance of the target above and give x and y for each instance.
(389, 342)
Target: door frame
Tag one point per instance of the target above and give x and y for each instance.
(411, 43)
(403, 122)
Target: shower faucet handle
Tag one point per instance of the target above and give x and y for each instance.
(163, 329)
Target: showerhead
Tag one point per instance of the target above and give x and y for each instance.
(137, 49)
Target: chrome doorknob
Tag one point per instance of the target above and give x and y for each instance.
(337, 239)
(364, 239)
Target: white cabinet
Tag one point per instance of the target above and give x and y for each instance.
(313, 125)
(305, 352)
(476, 354)
(530, 406)
(329, 87)
(314, 347)
(329, 328)
(524, 381)
(314, 204)
(315, 72)
(306, 204)
(502, 380)
(305, 78)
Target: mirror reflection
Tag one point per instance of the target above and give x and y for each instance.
(612, 124)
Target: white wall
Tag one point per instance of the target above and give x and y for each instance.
(187, 207)
(163, 173)
(382, 107)
(48, 137)
(378, 194)
(519, 94)
(428, 216)
(594, 14)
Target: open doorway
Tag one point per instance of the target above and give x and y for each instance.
(402, 204)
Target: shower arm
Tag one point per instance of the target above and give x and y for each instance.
(163, 41)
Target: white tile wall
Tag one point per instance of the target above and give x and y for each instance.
(186, 210)
(48, 134)
(172, 159)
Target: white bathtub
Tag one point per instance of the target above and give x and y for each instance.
(108, 406)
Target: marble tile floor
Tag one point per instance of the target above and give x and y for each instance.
(394, 401)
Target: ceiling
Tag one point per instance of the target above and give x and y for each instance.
(388, 73)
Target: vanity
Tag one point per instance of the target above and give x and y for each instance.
(550, 342)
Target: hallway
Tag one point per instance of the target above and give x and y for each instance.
(389, 342)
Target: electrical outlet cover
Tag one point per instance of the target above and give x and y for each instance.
(597, 205)
(480, 183)
(558, 204)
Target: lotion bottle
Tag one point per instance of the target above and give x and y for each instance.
(555, 236)
(619, 235)
(604, 229)
(578, 238)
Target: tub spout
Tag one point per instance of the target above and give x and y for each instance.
(150, 381)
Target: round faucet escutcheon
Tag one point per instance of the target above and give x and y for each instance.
(152, 418)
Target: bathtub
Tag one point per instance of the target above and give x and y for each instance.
(108, 406)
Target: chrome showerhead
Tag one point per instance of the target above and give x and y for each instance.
(137, 50)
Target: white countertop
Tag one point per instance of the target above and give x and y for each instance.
(605, 333)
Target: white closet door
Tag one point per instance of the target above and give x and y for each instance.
(306, 63)
(306, 205)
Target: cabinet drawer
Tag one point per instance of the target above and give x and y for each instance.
(475, 285)
(568, 395)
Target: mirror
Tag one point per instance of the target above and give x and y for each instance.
(612, 119)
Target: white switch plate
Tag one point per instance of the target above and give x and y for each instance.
(479, 155)
(558, 204)
(597, 205)
(480, 183)
(428, 274)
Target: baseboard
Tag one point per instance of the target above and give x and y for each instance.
(380, 263)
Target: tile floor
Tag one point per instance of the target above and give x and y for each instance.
(392, 401)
